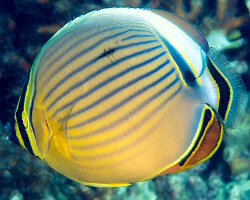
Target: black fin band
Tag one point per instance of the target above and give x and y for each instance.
(223, 87)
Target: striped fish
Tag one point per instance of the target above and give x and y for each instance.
(123, 95)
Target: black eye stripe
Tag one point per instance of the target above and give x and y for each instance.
(189, 76)
(19, 119)
(181, 63)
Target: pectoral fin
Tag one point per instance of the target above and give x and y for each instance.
(58, 133)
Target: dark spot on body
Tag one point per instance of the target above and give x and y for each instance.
(107, 53)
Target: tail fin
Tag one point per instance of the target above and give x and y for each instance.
(238, 97)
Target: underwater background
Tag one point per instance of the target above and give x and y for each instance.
(25, 25)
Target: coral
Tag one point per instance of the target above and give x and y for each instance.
(217, 187)
(17, 60)
(218, 39)
(191, 15)
(139, 191)
(16, 195)
(49, 29)
(239, 188)
(179, 7)
(226, 15)
(23, 176)
(225, 28)
(237, 150)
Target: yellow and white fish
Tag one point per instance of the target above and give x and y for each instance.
(123, 95)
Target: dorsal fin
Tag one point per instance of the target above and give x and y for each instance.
(186, 26)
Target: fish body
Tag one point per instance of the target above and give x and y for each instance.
(123, 95)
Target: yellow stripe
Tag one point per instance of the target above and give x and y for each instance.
(27, 106)
(18, 135)
(106, 185)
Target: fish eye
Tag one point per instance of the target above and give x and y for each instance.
(189, 76)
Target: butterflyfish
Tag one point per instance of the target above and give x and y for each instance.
(123, 95)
